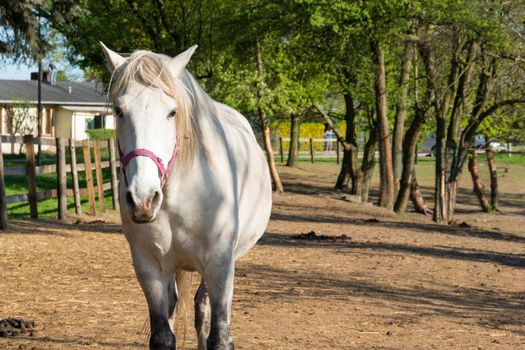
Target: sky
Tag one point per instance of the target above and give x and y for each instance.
(17, 72)
(13, 71)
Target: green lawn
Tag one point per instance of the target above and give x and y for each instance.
(49, 208)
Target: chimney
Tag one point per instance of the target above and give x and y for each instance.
(34, 76)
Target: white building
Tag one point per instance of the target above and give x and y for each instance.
(68, 109)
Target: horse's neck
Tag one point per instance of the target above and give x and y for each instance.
(204, 108)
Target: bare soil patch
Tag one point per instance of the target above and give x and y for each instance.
(394, 282)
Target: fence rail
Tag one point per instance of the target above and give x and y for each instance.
(328, 147)
(44, 141)
(47, 194)
(61, 192)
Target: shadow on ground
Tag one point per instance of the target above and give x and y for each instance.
(50, 227)
(491, 308)
(507, 259)
(427, 228)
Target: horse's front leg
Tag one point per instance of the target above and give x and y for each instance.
(158, 290)
(218, 277)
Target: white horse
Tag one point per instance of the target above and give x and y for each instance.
(195, 191)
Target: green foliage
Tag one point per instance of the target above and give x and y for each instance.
(505, 127)
(311, 50)
(101, 134)
(25, 25)
(167, 27)
(18, 30)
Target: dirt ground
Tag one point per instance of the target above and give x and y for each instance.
(395, 282)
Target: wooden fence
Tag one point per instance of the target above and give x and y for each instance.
(330, 147)
(61, 168)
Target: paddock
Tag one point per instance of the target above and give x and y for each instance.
(328, 274)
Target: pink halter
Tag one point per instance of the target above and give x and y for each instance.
(164, 171)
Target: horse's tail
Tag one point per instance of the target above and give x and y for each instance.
(184, 279)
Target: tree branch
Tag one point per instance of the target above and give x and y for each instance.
(497, 106)
(330, 122)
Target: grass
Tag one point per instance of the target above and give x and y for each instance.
(517, 158)
(49, 208)
(501, 158)
(101, 134)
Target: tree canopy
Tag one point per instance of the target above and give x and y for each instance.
(393, 70)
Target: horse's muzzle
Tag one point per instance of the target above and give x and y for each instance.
(143, 211)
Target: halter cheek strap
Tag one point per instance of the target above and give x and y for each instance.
(142, 152)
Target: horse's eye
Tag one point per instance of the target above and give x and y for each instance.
(172, 114)
(118, 112)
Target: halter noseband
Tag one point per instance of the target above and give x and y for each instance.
(142, 152)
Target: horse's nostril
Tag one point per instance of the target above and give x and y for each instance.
(155, 200)
(129, 200)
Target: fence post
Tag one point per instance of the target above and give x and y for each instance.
(114, 179)
(74, 174)
(3, 208)
(89, 177)
(61, 178)
(311, 150)
(100, 179)
(337, 150)
(31, 175)
(281, 149)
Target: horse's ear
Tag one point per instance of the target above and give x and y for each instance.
(113, 59)
(180, 61)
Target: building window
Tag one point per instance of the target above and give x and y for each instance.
(96, 122)
(99, 121)
(90, 123)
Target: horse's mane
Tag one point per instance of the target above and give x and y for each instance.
(151, 70)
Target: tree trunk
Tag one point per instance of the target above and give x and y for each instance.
(293, 150)
(461, 149)
(368, 163)
(417, 197)
(386, 196)
(494, 195)
(399, 124)
(440, 190)
(349, 169)
(479, 189)
(408, 184)
(345, 174)
(452, 194)
(459, 102)
(440, 198)
(278, 186)
(409, 159)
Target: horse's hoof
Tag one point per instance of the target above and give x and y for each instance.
(161, 347)
(162, 343)
(214, 344)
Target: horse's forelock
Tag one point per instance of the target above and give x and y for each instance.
(151, 70)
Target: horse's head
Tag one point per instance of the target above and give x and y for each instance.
(153, 125)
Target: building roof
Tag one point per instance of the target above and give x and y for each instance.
(64, 93)
(89, 109)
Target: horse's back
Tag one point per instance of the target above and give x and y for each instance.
(235, 119)
(252, 190)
